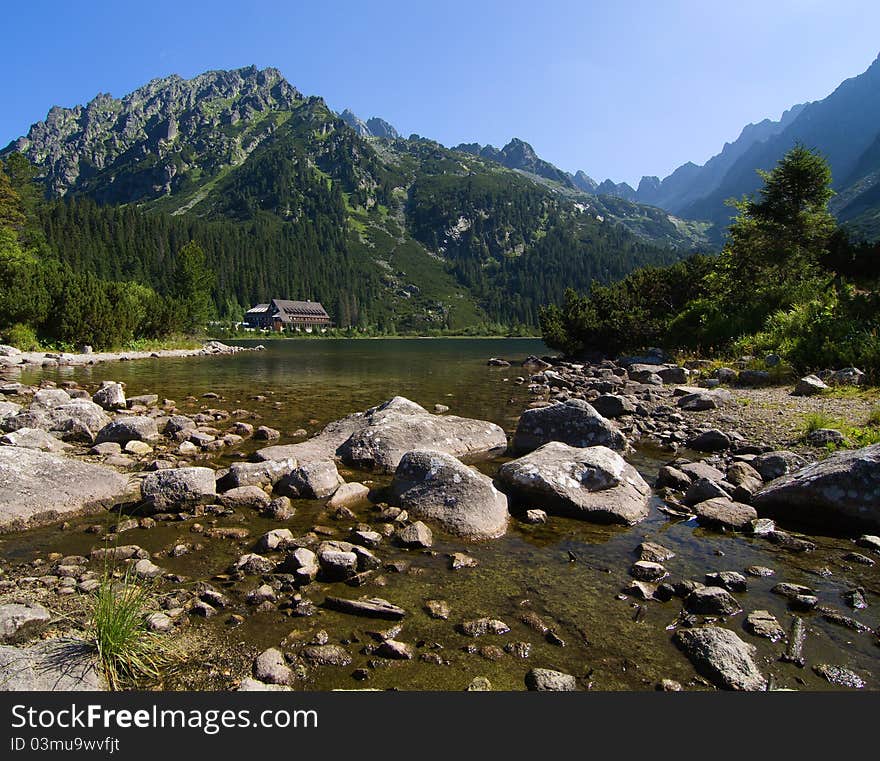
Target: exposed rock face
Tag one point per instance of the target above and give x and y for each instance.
(842, 490)
(574, 422)
(181, 487)
(401, 426)
(592, 483)
(37, 488)
(437, 486)
(53, 665)
(721, 656)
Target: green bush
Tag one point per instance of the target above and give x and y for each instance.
(22, 337)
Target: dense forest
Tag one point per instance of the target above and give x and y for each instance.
(788, 281)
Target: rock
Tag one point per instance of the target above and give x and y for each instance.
(479, 684)
(276, 539)
(125, 429)
(146, 569)
(138, 448)
(779, 463)
(51, 397)
(8, 409)
(673, 478)
(703, 489)
(265, 433)
(612, 406)
(373, 607)
(701, 469)
(159, 622)
(458, 560)
(110, 396)
(712, 601)
(398, 426)
(809, 385)
(33, 438)
(312, 480)
(725, 513)
(574, 422)
(438, 487)
(303, 563)
(592, 483)
(646, 570)
(143, 400)
(415, 535)
(710, 441)
(732, 581)
(842, 490)
(548, 680)
(848, 376)
(535, 516)
(654, 553)
(270, 667)
(176, 487)
(747, 480)
(327, 655)
(438, 609)
(336, 564)
(395, 650)
(262, 474)
(254, 564)
(53, 665)
(19, 621)
(702, 400)
(498, 362)
(348, 495)
(721, 656)
(839, 675)
(480, 626)
(244, 497)
(762, 623)
(753, 378)
(869, 541)
(822, 437)
(37, 488)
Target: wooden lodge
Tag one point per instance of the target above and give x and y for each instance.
(281, 315)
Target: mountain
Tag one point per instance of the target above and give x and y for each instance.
(844, 127)
(290, 200)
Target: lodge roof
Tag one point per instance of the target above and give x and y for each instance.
(287, 310)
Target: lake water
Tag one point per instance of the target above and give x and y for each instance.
(568, 572)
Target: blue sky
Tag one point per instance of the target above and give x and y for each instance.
(617, 89)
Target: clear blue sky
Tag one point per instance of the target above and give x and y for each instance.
(617, 89)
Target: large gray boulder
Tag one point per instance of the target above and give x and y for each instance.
(400, 426)
(312, 480)
(53, 665)
(129, 428)
(772, 465)
(838, 492)
(591, 483)
(439, 487)
(178, 487)
(574, 422)
(262, 474)
(37, 488)
(720, 655)
(110, 396)
(79, 419)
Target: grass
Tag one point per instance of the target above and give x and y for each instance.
(129, 652)
(856, 436)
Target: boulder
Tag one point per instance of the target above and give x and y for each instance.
(53, 665)
(129, 428)
(416, 535)
(18, 621)
(772, 465)
(399, 426)
(262, 474)
(840, 491)
(848, 376)
(612, 406)
(437, 486)
(50, 397)
(37, 488)
(574, 422)
(725, 513)
(245, 496)
(110, 396)
(592, 483)
(698, 401)
(80, 419)
(710, 441)
(33, 438)
(712, 601)
(271, 668)
(548, 680)
(348, 495)
(178, 487)
(312, 480)
(809, 385)
(822, 437)
(721, 656)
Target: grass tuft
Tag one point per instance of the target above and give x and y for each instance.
(129, 652)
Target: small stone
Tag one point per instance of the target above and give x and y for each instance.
(438, 609)
(839, 675)
(395, 650)
(762, 623)
(535, 516)
(548, 680)
(712, 601)
(416, 535)
(654, 553)
(459, 560)
(645, 570)
(479, 684)
(270, 667)
(732, 581)
(480, 626)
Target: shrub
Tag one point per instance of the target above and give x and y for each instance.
(22, 337)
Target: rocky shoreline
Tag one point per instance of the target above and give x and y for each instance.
(12, 358)
(393, 483)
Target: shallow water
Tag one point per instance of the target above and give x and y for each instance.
(611, 643)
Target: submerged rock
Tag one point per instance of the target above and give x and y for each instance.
(574, 422)
(720, 655)
(591, 483)
(837, 492)
(437, 486)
